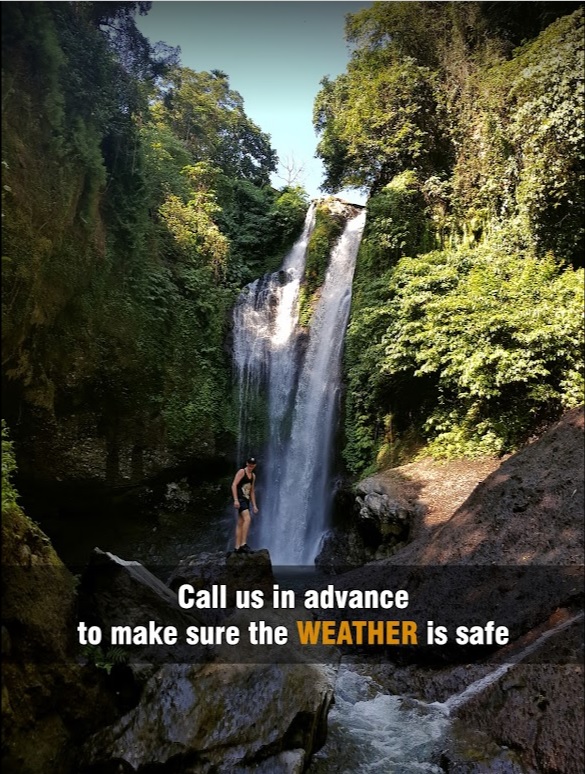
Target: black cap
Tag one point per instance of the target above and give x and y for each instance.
(251, 461)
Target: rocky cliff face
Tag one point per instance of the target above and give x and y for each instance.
(49, 700)
(527, 513)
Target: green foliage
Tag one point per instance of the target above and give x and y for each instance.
(261, 224)
(508, 133)
(468, 349)
(288, 214)
(398, 223)
(503, 335)
(191, 222)
(209, 118)
(105, 659)
(136, 205)
(488, 343)
(9, 493)
(376, 121)
(328, 228)
(540, 93)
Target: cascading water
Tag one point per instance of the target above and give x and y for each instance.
(304, 495)
(300, 393)
(265, 320)
(370, 732)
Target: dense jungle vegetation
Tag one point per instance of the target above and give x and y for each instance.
(464, 122)
(136, 203)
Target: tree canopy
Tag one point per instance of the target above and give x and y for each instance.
(466, 323)
(137, 203)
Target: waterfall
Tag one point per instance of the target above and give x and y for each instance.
(265, 321)
(298, 391)
(299, 516)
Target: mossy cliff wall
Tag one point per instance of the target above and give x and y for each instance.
(126, 239)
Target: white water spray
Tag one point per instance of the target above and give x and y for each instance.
(265, 320)
(371, 731)
(304, 496)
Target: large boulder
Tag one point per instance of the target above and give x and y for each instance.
(342, 550)
(528, 511)
(535, 709)
(379, 526)
(242, 712)
(220, 718)
(234, 570)
(511, 553)
(382, 519)
(115, 592)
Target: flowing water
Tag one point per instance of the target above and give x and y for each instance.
(265, 321)
(298, 388)
(371, 732)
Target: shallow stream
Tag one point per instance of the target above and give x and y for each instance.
(371, 732)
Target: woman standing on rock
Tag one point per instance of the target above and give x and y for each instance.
(243, 494)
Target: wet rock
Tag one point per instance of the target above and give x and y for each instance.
(382, 519)
(234, 570)
(209, 717)
(536, 709)
(341, 551)
(115, 592)
(177, 495)
(472, 752)
(221, 718)
(380, 526)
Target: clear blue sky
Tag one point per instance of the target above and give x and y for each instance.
(275, 54)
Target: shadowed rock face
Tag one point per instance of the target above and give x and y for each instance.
(115, 592)
(49, 700)
(535, 710)
(528, 515)
(381, 528)
(528, 511)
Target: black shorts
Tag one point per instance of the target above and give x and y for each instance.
(244, 505)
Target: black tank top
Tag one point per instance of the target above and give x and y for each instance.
(245, 486)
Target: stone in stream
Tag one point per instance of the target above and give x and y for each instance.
(221, 716)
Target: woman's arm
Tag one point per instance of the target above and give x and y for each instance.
(237, 478)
